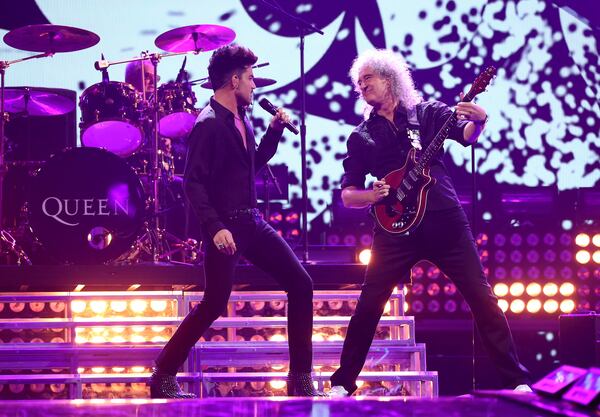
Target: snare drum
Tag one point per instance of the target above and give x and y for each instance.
(110, 118)
(86, 206)
(177, 111)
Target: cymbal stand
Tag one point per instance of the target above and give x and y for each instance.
(155, 235)
(7, 242)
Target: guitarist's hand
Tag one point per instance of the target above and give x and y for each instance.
(380, 190)
(223, 240)
(470, 111)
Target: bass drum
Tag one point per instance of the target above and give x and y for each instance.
(86, 206)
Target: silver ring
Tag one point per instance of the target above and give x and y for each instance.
(220, 246)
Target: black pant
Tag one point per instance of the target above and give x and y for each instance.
(445, 238)
(261, 245)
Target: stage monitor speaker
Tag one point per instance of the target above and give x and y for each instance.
(586, 391)
(578, 339)
(558, 381)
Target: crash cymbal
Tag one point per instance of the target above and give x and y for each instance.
(195, 38)
(50, 38)
(260, 82)
(36, 102)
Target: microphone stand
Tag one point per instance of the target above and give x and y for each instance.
(304, 28)
(268, 177)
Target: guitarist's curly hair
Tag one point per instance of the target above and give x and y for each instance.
(392, 66)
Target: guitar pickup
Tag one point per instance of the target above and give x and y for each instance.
(407, 184)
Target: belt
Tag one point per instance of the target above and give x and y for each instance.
(237, 213)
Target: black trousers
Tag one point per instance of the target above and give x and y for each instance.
(445, 238)
(261, 245)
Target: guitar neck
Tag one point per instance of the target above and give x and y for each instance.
(439, 139)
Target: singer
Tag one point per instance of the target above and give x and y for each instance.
(219, 184)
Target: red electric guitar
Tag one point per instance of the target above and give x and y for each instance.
(403, 210)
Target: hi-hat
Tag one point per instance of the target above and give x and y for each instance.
(259, 82)
(50, 38)
(195, 38)
(36, 102)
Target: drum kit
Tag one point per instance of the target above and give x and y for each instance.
(102, 203)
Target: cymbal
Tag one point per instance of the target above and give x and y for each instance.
(50, 38)
(36, 102)
(259, 82)
(195, 38)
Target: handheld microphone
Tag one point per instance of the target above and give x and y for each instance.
(102, 64)
(268, 106)
(181, 74)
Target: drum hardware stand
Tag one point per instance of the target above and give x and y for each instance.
(155, 240)
(8, 245)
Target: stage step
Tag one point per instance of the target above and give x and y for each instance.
(405, 323)
(425, 383)
(205, 354)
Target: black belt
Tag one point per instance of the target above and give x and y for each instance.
(242, 213)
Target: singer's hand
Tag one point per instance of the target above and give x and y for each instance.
(279, 120)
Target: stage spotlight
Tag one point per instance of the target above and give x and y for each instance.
(450, 306)
(118, 306)
(550, 289)
(596, 257)
(98, 370)
(318, 337)
(433, 289)
(567, 306)
(350, 240)
(503, 304)
(567, 289)
(277, 384)
(517, 289)
(417, 306)
(534, 289)
(138, 306)
(137, 338)
(98, 339)
(78, 306)
(583, 257)
(499, 240)
(534, 305)
(158, 305)
(550, 306)
(500, 273)
(433, 306)
(582, 240)
(501, 290)
(118, 339)
(138, 369)
(517, 306)
(516, 272)
(596, 240)
(364, 256)
(533, 239)
(98, 306)
(550, 255)
(277, 337)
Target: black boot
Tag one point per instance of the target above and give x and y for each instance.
(300, 384)
(166, 386)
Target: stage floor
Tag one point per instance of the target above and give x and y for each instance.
(277, 406)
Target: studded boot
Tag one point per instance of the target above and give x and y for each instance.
(300, 384)
(166, 386)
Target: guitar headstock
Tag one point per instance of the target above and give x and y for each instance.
(480, 83)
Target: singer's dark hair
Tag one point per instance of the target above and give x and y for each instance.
(228, 60)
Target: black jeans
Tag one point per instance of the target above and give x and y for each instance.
(445, 238)
(261, 245)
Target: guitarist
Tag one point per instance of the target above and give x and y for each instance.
(397, 119)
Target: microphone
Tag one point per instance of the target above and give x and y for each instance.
(268, 106)
(102, 64)
(181, 74)
(105, 78)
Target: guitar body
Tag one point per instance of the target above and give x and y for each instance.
(402, 211)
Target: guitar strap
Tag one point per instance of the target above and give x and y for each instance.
(412, 130)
